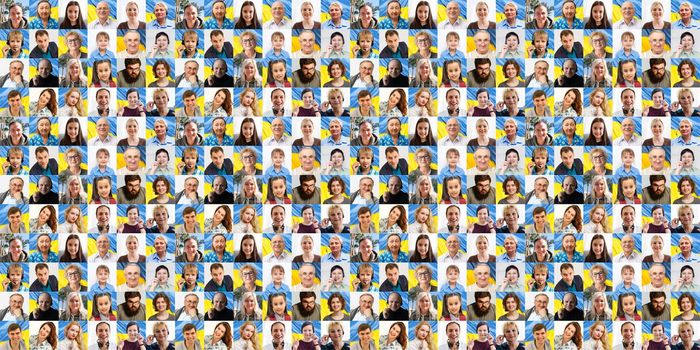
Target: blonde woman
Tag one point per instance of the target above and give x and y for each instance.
(423, 191)
(248, 222)
(73, 104)
(423, 221)
(73, 75)
(73, 221)
(423, 104)
(598, 104)
(72, 337)
(597, 337)
(598, 220)
(423, 337)
(424, 76)
(248, 337)
(248, 104)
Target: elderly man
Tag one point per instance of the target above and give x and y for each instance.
(44, 310)
(44, 193)
(686, 255)
(307, 45)
(539, 311)
(454, 21)
(279, 254)
(364, 78)
(103, 254)
(686, 138)
(657, 45)
(454, 137)
(511, 138)
(279, 19)
(307, 157)
(103, 20)
(15, 311)
(539, 78)
(219, 193)
(657, 160)
(306, 75)
(279, 136)
(44, 76)
(189, 78)
(482, 44)
(14, 78)
(569, 78)
(628, 254)
(132, 276)
(628, 21)
(104, 136)
(394, 193)
(219, 310)
(569, 193)
(132, 161)
(132, 43)
(219, 76)
(510, 247)
(539, 194)
(189, 194)
(336, 138)
(394, 76)
(14, 194)
(394, 311)
(189, 311)
(364, 311)
(364, 194)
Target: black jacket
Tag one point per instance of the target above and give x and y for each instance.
(37, 170)
(228, 168)
(49, 198)
(386, 286)
(578, 168)
(403, 51)
(227, 49)
(399, 315)
(212, 287)
(50, 315)
(574, 315)
(577, 50)
(52, 51)
(38, 287)
(223, 315)
(562, 287)
(402, 166)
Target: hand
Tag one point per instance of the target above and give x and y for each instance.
(530, 283)
(325, 105)
(367, 79)
(120, 345)
(149, 105)
(530, 167)
(325, 337)
(17, 312)
(5, 166)
(325, 222)
(674, 339)
(500, 339)
(355, 283)
(500, 222)
(530, 50)
(180, 166)
(5, 50)
(645, 229)
(17, 195)
(675, 105)
(470, 345)
(5, 283)
(500, 105)
(192, 79)
(675, 222)
(295, 346)
(149, 222)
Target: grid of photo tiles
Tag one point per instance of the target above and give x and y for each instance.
(349, 175)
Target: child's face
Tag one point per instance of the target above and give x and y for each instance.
(279, 305)
(629, 305)
(102, 42)
(452, 43)
(15, 277)
(15, 160)
(104, 306)
(279, 188)
(627, 43)
(277, 43)
(540, 160)
(541, 43)
(104, 189)
(452, 276)
(365, 160)
(453, 188)
(190, 277)
(627, 159)
(190, 43)
(190, 160)
(365, 44)
(277, 276)
(279, 72)
(453, 71)
(540, 277)
(453, 305)
(452, 159)
(102, 159)
(277, 159)
(15, 44)
(102, 275)
(629, 72)
(627, 276)
(104, 71)
(629, 188)
(365, 277)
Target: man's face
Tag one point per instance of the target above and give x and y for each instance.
(102, 244)
(483, 70)
(134, 303)
(366, 68)
(42, 41)
(483, 186)
(541, 302)
(16, 68)
(394, 68)
(658, 303)
(308, 70)
(483, 304)
(133, 70)
(42, 275)
(658, 186)
(541, 68)
(658, 70)
(308, 303)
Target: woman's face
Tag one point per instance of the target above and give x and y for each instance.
(72, 130)
(569, 98)
(422, 99)
(45, 97)
(308, 99)
(597, 215)
(104, 188)
(307, 11)
(161, 71)
(511, 304)
(133, 99)
(394, 214)
(73, 248)
(73, 332)
(685, 188)
(161, 304)
(454, 71)
(568, 244)
(279, 188)
(247, 13)
(393, 244)
(336, 188)
(658, 332)
(482, 99)
(132, 11)
(247, 130)
(597, 99)
(511, 71)
(423, 332)
(393, 10)
(336, 304)
(658, 215)
(511, 188)
(394, 98)
(482, 11)
(657, 11)
(685, 304)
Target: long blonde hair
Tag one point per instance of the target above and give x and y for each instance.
(254, 338)
(429, 338)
